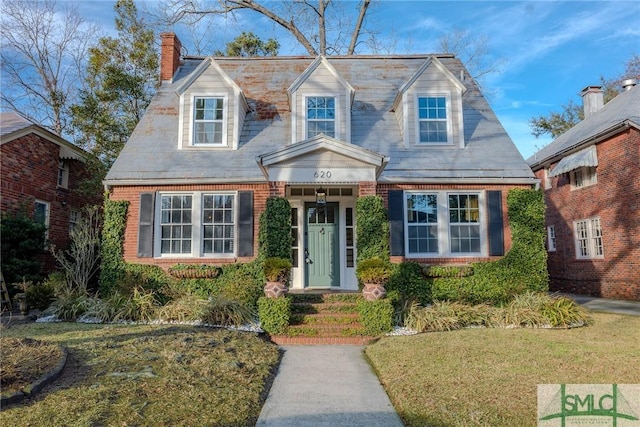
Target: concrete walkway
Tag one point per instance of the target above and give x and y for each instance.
(327, 385)
(609, 305)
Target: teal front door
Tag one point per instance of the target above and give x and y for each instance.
(322, 254)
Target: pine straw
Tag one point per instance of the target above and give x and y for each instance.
(24, 360)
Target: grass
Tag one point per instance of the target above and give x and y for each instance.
(148, 375)
(489, 377)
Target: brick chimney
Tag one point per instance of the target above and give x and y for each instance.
(170, 56)
(592, 99)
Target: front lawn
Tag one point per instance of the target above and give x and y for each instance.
(148, 375)
(489, 377)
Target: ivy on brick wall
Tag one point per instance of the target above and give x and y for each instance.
(372, 239)
(112, 267)
(274, 238)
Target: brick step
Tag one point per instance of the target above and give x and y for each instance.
(348, 297)
(304, 340)
(326, 329)
(323, 307)
(324, 318)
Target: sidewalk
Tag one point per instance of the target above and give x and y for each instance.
(631, 308)
(327, 385)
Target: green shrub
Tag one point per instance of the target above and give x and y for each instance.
(372, 239)
(186, 308)
(194, 271)
(69, 306)
(408, 280)
(200, 287)
(447, 270)
(112, 250)
(242, 282)
(145, 277)
(274, 314)
(22, 240)
(220, 311)
(374, 270)
(41, 295)
(376, 316)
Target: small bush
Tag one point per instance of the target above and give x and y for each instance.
(242, 282)
(277, 269)
(41, 295)
(195, 271)
(69, 306)
(187, 308)
(220, 311)
(376, 316)
(144, 277)
(274, 314)
(374, 270)
(408, 280)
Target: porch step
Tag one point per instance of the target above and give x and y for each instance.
(324, 319)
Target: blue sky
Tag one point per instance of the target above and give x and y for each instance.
(551, 50)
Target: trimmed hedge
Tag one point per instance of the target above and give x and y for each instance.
(408, 280)
(376, 316)
(274, 236)
(274, 314)
(112, 265)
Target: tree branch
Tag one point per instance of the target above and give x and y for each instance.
(358, 27)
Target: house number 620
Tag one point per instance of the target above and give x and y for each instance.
(322, 174)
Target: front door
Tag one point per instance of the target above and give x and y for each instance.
(322, 259)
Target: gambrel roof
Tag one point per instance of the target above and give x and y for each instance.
(152, 154)
(621, 112)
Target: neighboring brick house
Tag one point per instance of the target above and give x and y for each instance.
(224, 134)
(40, 172)
(591, 181)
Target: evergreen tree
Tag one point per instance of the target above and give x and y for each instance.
(248, 44)
(122, 77)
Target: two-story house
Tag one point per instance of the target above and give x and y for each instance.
(40, 173)
(224, 134)
(591, 184)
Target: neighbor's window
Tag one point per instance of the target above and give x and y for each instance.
(583, 177)
(218, 222)
(321, 116)
(74, 219)
(588, 238)
(422, 223)
(175, 224)
(551, 238)
(208, 121)
(432, 119)
(41, 216)
(63, 174)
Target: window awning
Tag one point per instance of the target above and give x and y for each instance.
(582, 158)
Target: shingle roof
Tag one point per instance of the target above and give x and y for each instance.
(621, 111)
(152, 151)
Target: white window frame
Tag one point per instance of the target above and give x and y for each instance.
(224, 143)
(197, 225)
(448, 120)
(551, 238)
(444, 225)
(588, 238)
(47, 216)
(548, 182)
(336, 112)
(583, 177)
(63, 174)
(74, 218)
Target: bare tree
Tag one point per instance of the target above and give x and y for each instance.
(323, 27)
(473, 51)
(42, 59)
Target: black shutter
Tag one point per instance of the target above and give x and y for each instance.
(396, 222)
(145, 225)
(496, 233)
(245, 223)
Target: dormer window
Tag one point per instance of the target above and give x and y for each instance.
(208, 123)
(433, 120)
(321, 116)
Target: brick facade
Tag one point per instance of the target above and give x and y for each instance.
(615, 199)
(29, 172)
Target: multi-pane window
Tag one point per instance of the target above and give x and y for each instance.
(432, 119)
(176, 224)
(63, 174)
(321, 116)
(350, 238)
(583, 177)
(422, 223)
(464, 223)
(74, 219)
(41, 215)
(218, 221)
(588, 238)
(295, 242)
(551, 238)
(208, 121)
